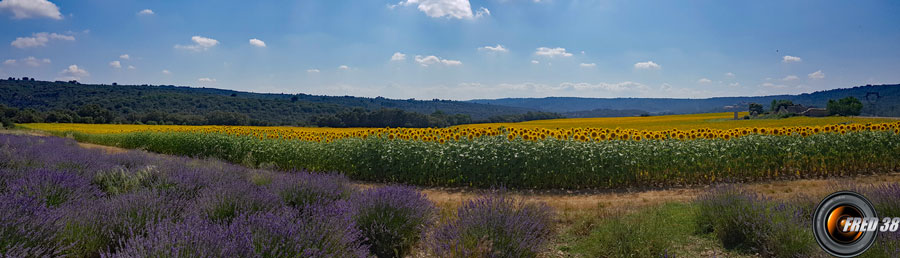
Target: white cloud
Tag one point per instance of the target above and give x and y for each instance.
(497, 49)
(200, 44)
(482, 12)
(613, 87)
(312, 71)
(772, 85)
(344, 67)
(665, 87)
(29, 61)
(73, 72)
(166, 72)
(398, 56)
(734, 84)
(586, 65)
(791, 59)
(39, 39)
(552, 52)
(131, 67)
(729, 75)
(817, 75)
(124, 57)
(431, 60)
(790, 78)
(115, 64)
(23, 9)
(257, 43)
(146, 12)
(647, 65)
(704, 80)
(35, 62)
(459, 9)
(535, 62)
(206, 80)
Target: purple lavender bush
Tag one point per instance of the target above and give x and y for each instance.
(886, 199)
(28, 228)
(494, 226)
(299, 189)
(58, 199)
(752, 223)
(227, 200)
(192, 237)
(100, 225)
(392, 219)
(316, 231)
(53, 188)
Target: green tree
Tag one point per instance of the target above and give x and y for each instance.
(227, 118)
(849, 106)
(777, 104)
(758, 108)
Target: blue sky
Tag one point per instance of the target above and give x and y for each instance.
(459, 49)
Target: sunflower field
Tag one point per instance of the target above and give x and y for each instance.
(528, 157)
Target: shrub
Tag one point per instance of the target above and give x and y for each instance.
(494, 226)
(53, 188)
(224, 202)
(317, 231)
(192, 237)
(6, 123)
(27, 228)
(121, 180)
(300, 189)
(753, 223)
(886, 199)
(392, 219)
(106, 222)
(650, 232)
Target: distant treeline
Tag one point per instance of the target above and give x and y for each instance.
(602, 112)
(29, 101)
(877, 100)
(94, 114)
(398, 118)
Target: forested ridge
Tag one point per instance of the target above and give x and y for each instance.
(43, 101)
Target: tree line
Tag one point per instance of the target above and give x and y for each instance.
(358, 117)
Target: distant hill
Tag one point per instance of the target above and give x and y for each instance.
(887, 105)
(181, 105)
(602, 112)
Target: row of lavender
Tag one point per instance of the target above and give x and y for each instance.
(57, 199)
(757, 224)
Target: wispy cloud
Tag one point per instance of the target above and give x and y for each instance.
(39, 39)
(432, 60)
(552, 52)
(200, 44)
(649, 65)
(791, 59)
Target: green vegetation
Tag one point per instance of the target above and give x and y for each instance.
(31, 101)
(495, 161)
(650, 232)
(848, 106)
(887, 105)
(756, 108)
(778, 104)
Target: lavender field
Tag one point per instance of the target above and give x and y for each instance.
(58, 199)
